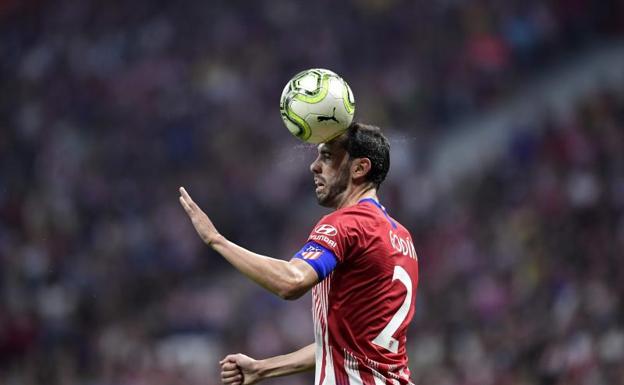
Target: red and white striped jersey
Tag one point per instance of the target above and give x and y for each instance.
(362, 309)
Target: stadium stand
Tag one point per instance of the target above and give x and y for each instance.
(107, 107)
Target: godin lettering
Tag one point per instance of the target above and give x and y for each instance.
(323, 238)
(403, 245)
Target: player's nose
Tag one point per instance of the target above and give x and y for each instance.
(315, 167)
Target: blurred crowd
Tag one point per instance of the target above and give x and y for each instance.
(107, 107)
(523, 268)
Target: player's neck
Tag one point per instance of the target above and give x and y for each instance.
(355, 194)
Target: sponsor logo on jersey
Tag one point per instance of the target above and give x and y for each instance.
(331, 243)
(326, 229)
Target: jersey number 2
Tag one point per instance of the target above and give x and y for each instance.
(385, 339)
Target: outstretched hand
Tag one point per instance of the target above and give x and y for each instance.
(239, 369)
(203, 225)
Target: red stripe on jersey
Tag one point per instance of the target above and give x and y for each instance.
(367, 377)
(342, 378)
(323, 366)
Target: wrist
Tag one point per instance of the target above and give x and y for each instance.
(216, 240)
(262, 369)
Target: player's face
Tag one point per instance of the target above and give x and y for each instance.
(331, 173)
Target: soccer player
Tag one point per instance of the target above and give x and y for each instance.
(359, 262)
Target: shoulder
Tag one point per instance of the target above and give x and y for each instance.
(344, 231)
(350, 217)
(348, 226)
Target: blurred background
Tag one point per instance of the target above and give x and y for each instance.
(506, 122)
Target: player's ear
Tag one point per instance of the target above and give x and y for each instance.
(360, 167)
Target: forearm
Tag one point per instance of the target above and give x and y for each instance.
(289, 280)
(275, 275)
(299, 361)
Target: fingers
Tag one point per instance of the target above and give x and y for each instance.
(235, 380)
(186, 201)
(228, 366)
(186, 196)
(231, 375)
(230, 372)
(185, 205)
(232, 382)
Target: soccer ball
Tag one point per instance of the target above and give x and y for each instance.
(317, 105)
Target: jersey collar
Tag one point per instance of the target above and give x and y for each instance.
(380, 207)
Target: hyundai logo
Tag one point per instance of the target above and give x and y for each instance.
(325, 229)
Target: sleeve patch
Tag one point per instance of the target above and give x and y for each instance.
(322, 260)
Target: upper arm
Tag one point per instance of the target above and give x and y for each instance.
(309, 275)
(310, 266)
(304, 277)
(326, 248)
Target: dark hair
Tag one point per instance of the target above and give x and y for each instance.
(366, 141)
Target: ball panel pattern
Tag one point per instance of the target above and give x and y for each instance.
(317, 105)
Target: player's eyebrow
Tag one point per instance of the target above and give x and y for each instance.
(323, 149)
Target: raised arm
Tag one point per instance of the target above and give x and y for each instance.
(239, 369)
(287, 279)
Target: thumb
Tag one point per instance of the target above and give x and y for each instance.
(230, 358)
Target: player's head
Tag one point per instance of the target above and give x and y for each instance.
(359, 158)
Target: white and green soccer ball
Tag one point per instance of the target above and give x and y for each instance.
(317, 105)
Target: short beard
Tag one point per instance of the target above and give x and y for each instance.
(335, 190)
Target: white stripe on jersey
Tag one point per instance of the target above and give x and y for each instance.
(320, 296)
(330, 376)
(351, 367)
(318, 334)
